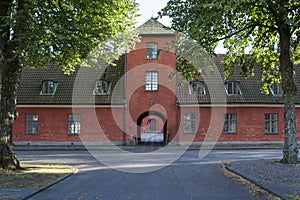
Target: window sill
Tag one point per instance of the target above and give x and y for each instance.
(233, 95)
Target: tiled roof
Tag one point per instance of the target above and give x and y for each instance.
(216, 93)
(153, 27)
(76, 88)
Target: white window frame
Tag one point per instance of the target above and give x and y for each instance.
(151, 81)
(152, 125)
(233, 88)
(151, 50)
(197, 88)
(31, 123)
(74, 124)
(230, 123)
(104, 91)
(48, 88)
(271, 123)
(190, 123)
(276, 89)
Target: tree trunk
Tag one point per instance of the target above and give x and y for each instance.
(11, 44)
(10, 77)
(290, 150)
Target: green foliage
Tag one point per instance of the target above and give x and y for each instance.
(293, 197)
(65, 32)
(249, 29)
(271, 28)
(192, 56)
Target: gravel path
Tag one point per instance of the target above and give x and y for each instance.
(281, 179)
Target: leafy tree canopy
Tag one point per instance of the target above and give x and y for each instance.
(35, 33)
(65, 32)
(240, 24)
(269, 27)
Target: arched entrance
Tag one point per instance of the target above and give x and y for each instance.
(152, 128)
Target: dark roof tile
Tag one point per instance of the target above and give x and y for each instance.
(76, 88)
(250, 87)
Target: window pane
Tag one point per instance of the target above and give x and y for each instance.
(233, 88)
(74, 124)
(151, 81)
(151, 50)
(152, 125)
(102, 87)
(229, 123)
(190, 123)
(271, 123)
(31, 124)
(197, 88)
(48, 87)
(276, 89)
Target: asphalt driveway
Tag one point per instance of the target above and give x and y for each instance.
(188, 177)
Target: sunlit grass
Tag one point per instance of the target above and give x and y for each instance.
(293, 197)
(33, 175)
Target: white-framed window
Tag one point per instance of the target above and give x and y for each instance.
(233, 88)
(152, 125)
(151, 81)
(74, 124)
(229, 123)
(31, 123)
(151, 50)
(102, 87)
(190, 123)
(276, 89)
(197, 88)
(48, 88)
(271, 123)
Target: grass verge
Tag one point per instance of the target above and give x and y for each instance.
(33, 175)
(292, 197)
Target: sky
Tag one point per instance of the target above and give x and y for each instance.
(150, 8)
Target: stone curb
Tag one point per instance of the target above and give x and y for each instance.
(254, 182)
(41, 189)
(218, 146)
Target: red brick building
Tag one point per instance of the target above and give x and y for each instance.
(136, 102)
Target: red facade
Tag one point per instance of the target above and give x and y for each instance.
(119, 124)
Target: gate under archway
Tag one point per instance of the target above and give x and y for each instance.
(152, 128)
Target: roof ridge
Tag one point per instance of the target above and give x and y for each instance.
(153, 26)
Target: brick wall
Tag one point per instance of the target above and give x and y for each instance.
(99, 124)
(250, 124)
(164, 98)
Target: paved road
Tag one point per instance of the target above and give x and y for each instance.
(189, 177)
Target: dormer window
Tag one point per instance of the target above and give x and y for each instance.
(276, 89)
(197, 88)
(233, 88)
(102, 87)
(151, 50)
(48, 87)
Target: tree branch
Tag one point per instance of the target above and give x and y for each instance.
(251, 26)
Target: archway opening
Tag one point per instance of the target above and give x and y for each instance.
(152, 128)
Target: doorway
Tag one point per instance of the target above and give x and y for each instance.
(152, 128)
